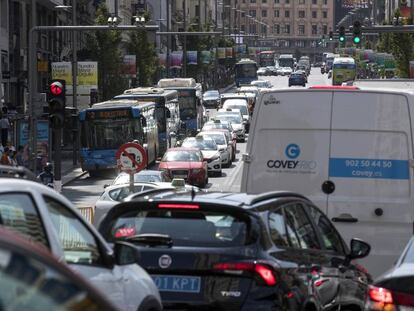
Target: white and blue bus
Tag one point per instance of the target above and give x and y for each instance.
(245, 72)
(167, 112)
(189, 101)
(108, 125)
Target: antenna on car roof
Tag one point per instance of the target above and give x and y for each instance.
(193, 193)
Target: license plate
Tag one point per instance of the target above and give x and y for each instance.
(180, 176)
(173, 283)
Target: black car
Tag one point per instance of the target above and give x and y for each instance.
(297, 78)
(394, 290)
(211, 99)
(233, 251)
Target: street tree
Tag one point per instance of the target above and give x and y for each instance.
(104, 47)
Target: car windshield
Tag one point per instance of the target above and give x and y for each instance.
(186, 228)
(235, 119)
(246, 70)
(218, 138)
(211, 94)
(182, 156)
(220, 125)
(204, 144)
(139, 177)
(242, 108)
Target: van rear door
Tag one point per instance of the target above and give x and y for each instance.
(290, 147)
(371, 146)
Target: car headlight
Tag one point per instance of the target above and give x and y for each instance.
(216, 157)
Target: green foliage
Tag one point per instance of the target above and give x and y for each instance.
(401, 45)
(104, 48)
(147, 60)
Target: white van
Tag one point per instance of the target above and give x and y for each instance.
(350, 150)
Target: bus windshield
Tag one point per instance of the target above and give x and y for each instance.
(110, 134)
(187, 104)
(246, 70)
(344, 66)
(286, 62)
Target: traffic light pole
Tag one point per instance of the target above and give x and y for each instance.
(57, 183)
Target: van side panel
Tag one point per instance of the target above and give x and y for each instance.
(289, 146)
(369, 165)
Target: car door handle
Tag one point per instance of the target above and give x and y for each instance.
(345, 218)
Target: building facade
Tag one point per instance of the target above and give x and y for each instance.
(288, 26)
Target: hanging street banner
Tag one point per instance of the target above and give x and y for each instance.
(229, 52)
(176, 59)
(221, 53)
(129, 66)
(88, 74)
(162, 57)
(192, 58)
(205, 57)
(63, 71)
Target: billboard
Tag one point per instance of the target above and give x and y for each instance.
(352, 4)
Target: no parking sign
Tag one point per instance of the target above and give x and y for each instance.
(131, 158)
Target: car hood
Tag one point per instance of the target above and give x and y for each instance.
(208, 154)
(237, 126)
(181, 165)
(210, 98)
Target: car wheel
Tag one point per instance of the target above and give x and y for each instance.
(93, 174)
(304, 84)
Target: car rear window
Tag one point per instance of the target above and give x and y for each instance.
(185, 228)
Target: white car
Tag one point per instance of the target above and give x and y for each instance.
(44, 216)
(210, 151)
(116, 193)
(236, 121)
(142, 176)
(241, 105)
(261, 84)
(284, 71)
(262, 71)
(223, 145)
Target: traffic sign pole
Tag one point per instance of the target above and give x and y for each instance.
(131, 158)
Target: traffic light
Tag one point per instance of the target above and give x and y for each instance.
(330, 35)
(342, 37)
(357, 32)
(57, 103)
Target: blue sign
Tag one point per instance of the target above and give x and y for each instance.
(369, 168)
(42, 132)
(292, 151)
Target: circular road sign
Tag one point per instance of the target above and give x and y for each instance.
(131, 158)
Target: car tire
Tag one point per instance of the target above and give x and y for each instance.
(93, 174)
(304, 84)
(289, 85)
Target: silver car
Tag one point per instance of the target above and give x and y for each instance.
(42, 215)
(223, 145)
(210, 152)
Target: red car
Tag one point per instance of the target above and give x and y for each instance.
(186, 163)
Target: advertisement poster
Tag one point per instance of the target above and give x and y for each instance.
(221, 53)
(192, 58)
(241, 49)
(162, 59)
(205, 57)
(88, 74)
(229, 52)
(129, 67)
(63, 71)
(42, 139)
(176, 59)
(352, 4)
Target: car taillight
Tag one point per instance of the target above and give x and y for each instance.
(179, 206)
(265, 272)
(124, 232)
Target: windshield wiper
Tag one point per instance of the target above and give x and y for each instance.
(152, 239)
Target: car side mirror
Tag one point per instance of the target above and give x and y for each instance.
(106, 186)
(125, 253)
(359, 249)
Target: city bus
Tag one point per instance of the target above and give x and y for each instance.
(166, 113)
(266, 58)
(245, 72)
(108, 125)
(286, 60)
(343, 70)
(189, 101)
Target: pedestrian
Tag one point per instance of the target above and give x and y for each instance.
(19, 156)
(4, 126)
(46, 177)
(5, 159)
(13, 160)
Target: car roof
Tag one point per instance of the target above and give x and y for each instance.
(182, 149)
(244, 200)
(209, 132)
(141, 183)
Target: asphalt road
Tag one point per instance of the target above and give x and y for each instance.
(84, 191)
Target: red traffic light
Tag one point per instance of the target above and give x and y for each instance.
(56, 88)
